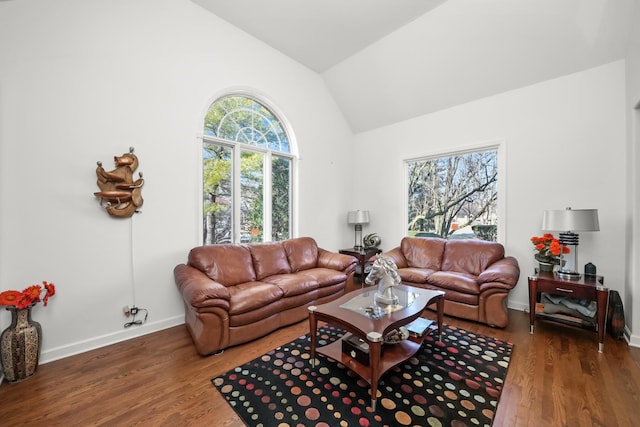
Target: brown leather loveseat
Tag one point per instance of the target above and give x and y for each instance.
(237, 293)
(475, 275)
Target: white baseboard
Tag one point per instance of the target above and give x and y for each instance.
(108, 339)
(518, 306)
(633, 340)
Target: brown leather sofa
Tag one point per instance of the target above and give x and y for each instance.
(475, 275)
(237, 293)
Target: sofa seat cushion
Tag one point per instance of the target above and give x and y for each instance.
(293, 284)
(472, 300)
(252, 295)
(324, 276)
(459, 282)
(415, 275)
(451, 295)
(271, 311)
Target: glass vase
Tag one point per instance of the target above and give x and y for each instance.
(545, 267)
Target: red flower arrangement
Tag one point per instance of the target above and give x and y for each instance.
(31, 295)
(549, 248)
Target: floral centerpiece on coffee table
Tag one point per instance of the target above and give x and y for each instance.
(548, 251)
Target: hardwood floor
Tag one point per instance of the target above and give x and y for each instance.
(556, 378)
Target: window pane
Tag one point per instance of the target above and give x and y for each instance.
(241, 119)
(454, 197)
(281, 198)
(218, 207)
(251, 196)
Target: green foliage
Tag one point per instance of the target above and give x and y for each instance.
(252, 194)
(281, 198)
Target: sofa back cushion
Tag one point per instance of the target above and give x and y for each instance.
(470, 256)
(269, 259)
(423, 252)
(302, 253)
(225, 263)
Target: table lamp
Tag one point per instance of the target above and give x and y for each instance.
(358, 218)
(569, 221)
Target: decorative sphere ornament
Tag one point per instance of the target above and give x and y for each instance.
(371, 240)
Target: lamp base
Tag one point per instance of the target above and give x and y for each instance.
(568, 275)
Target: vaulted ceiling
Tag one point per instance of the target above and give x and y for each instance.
(390, 60)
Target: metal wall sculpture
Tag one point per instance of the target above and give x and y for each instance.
(119, 194)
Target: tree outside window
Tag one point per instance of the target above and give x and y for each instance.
(454, 196)
(247, 173)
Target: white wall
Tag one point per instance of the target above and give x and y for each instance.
(631, 301)
(565, 146)
(81, 81)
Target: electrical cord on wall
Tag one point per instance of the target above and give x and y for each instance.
(133, 310)
(133, 275)
(134, 313)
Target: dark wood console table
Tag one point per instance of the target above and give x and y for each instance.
(587, 287)
(363, 256)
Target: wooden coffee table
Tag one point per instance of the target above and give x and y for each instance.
(349, 313)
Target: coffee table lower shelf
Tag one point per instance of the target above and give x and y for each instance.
(373, 330)
(392, 356)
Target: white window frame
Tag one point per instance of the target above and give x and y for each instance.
(499, 145)
(236, 148)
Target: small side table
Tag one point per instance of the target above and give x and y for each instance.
(587, 288)
(363, 256)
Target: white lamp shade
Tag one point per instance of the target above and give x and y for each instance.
(358, 217)
(571, 220)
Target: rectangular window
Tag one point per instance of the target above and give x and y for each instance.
(454, 196)
(247, 193)
(217, 193)
(251, 196)
(281, 198)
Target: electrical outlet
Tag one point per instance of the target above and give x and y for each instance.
(126, 310)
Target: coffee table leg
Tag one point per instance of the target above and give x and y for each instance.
(313, 325)
(375, 350)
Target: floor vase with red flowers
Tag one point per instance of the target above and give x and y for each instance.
(20, 345)
(20, 342)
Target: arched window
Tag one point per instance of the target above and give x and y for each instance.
(247, 173)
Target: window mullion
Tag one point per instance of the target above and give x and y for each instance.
(267, 210)
(237, 199)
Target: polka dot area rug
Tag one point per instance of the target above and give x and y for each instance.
(456, 382)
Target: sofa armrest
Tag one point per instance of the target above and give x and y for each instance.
(396, 256)
(198, 290)
(503, 273)
(336, 261)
